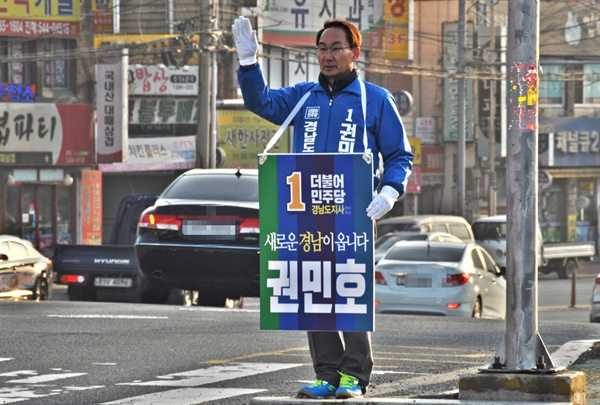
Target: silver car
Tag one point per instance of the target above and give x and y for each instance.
(595, 308)
(385, 242)
(439, 278)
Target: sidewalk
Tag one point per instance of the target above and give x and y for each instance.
(576, 356)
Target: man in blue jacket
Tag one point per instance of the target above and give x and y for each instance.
(331, 120)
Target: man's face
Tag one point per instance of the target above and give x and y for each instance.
(339, 62)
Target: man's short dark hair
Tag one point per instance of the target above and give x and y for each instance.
(353, 35)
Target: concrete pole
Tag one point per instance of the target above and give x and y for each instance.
(204, 76)
(523, 349)
(492, 128)
(460, 147)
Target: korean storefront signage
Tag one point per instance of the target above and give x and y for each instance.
(46, 134)
(18, 93)
(40, 18)
(112, 109)
(568, 141)
(243, 134)
(385, 25)
(157, 153)
(151, 80)
(102, 16)
(316, 242)
(450, 63)
(91, 207)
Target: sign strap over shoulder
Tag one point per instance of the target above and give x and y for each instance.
(286, 123)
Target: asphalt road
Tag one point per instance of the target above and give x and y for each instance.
(76, 353)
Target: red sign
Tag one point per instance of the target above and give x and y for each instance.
(91, 207)
(64, 132)
(414, 181)
(432, 159)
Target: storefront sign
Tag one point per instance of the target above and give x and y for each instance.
(40, 18)
(150, 80)
(425, 129)
(450, 63)
(18, 93)
(316, 242)
(102, 16)
(569, 142)
(163, 111)
(157, 153)
(385, 25)
(243, 135)
(111, 110)
(59, 134)
(91, 207)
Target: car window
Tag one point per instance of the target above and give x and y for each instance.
(439, 228)
(382, 229)
(489, 263)
(219, 187)
(17, 250)
(489, 230)
(460, 231)
(476, 260)
(425, 253)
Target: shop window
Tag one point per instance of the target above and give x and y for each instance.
(591, 83)
(56, 70)
(552, 88)
(17, 69)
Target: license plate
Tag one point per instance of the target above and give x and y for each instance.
(202, 228)
(400, 280)
(113, 282)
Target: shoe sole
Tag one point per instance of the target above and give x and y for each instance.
(305, 395)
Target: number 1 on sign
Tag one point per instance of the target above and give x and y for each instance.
(294, 180)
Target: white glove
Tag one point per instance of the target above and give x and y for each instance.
(245, 41)
(382, 203)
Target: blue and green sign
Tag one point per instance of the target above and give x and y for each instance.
(316, 253)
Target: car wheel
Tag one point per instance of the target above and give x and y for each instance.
(567, 271)
(211, 298)
(477, 308)
(41, 292)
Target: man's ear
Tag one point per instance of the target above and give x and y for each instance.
(356, 54)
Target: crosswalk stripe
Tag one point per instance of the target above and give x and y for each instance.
(184, 396)
(213, 374)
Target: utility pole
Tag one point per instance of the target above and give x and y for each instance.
(523, 349)
(492, 127)
(460, 144)
(204, 78)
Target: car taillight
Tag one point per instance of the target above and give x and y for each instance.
(379, 278)
(457, 279)
(162, 222)
(72, 279)
(250, 225)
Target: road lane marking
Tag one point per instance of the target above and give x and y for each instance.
(45, 378)
(203, 376)
(99, 316)
(185, 396)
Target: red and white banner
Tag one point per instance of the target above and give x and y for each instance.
(46, 134)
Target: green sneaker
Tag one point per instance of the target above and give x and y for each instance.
(348, 388)
(319, 390)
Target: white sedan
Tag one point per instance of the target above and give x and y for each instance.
(439, 278)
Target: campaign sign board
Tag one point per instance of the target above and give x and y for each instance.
(316, 242)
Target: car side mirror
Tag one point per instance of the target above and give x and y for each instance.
(3, 257)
